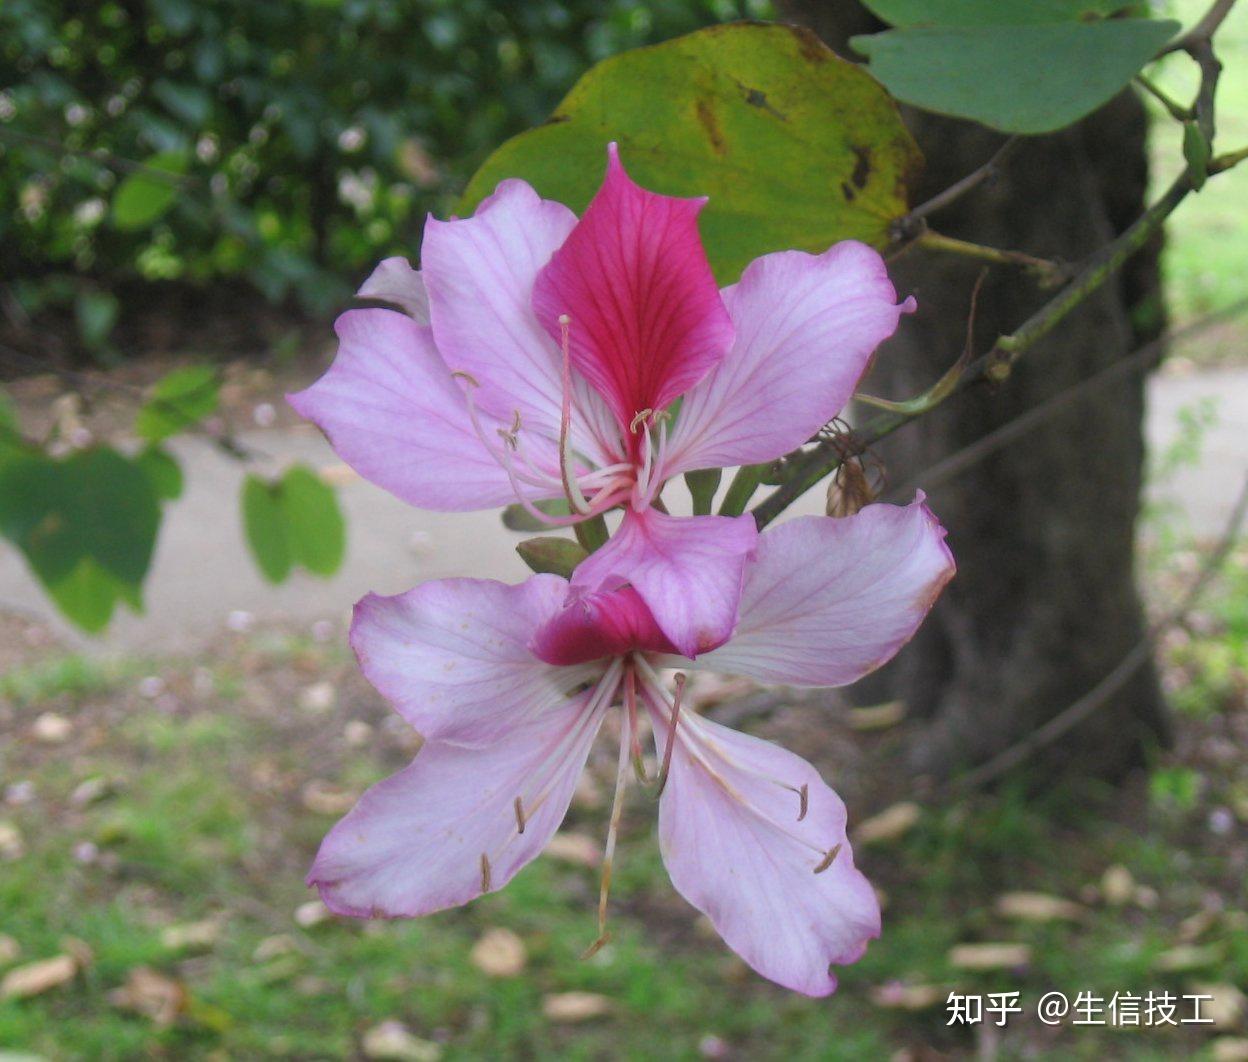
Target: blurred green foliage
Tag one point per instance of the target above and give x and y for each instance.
(290, 145)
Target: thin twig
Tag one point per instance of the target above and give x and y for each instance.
(1203, 30)
(1079, 711)
(102, 156)
(1141, 359)
(1175, 109)
(1048, 272)
(906, 226)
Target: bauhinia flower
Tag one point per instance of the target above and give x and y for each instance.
(509, 686)
(538, 357)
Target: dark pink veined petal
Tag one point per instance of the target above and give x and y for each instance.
(646, 319)
(687, 569)
(452, 656)
(829, 600)
(736, 849)
(393, 412)
(596, 625)
(445, 829)
(479, 273)
(396, 282)
(806, 327)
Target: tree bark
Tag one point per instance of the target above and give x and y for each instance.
(1045, 601)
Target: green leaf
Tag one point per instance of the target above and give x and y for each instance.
(87, 526)
(95, 313)
(144, 196)
(1196, 153)
(517, 518)
(191, 103)
(795, 147)
(549, 553)
(178, 401)
(314, 523)
(265, 527)
(162, 471)
(1019, 78)
(702, 486)
(908, 13)
(295, 521)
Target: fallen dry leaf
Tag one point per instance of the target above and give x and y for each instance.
(568, 1007)
(11, 844)
(897, 995)
(499, 953)
(1227, 1007)
(1187, 957)
(325, 798)
(312, 913)
(1195, 926)
(876, 716)
(1230, 1049)
(357, 733)
(574, 848)
(1038, 907)
(989, 956)
(888, 825)
(318, 698)
(89, 791)
(157, 997)
(10, 949)
(37, 977)
(392, 1040)
(1117, 885)
(189, 935)
(272, 947)
(51, 729)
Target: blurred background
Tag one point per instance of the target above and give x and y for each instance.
(205, 184)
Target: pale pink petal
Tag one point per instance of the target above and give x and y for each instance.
(396, 282)
(452, 655)
(479, 272)
(647, 321)
(599, 624)
(806, 327)
(829, 600)
(688, 570)
(736, 849)
(393, 412)
(445, 830)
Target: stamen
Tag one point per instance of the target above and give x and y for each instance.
(803, 795)
(639, 418)
(671, 732)
(519, 806)
(571, 489)
(828, 859)
(485, 872)
(630, 703)
(608, 857)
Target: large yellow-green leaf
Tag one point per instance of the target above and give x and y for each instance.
(794, 146)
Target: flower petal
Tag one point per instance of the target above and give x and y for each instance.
(392, 411)
(396, 282)
(735, 848)
(444, 830)
(452, 655)
(479, 272)
(806, 327)
(828, 600)
(687, 569)
(647, 321)
(592, 626)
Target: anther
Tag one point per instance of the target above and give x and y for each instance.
(671, 732)
(803, 796)
(639, 419)
(828, 859)
(519, 806)
(459, 374)
(485, 872)
(510, 435)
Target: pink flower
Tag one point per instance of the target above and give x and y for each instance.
(538, 357)
(510, 684)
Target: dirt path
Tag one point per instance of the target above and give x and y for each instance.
(203, 573)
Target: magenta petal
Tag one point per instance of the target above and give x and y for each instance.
(396, 282)
(452, 655)
(593, 626)
(736, 848)
(647, 321)
(806, 327)
(480, 272)
(829, 600)
(392, 411)
(444, 830)
(688, 570)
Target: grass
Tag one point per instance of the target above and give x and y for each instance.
(205, 816)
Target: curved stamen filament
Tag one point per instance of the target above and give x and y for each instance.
(571, 489)
(671, 733)
(613, 830)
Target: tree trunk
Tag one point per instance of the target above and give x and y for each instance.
(1045, 603)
